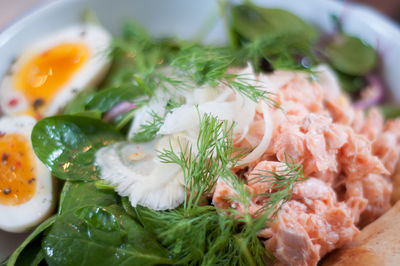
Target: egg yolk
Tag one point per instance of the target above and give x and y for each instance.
(44, 74)
(17, 170)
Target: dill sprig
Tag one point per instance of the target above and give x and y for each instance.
(201, 236)
(136, 59)
(204, 64)
(209, 64)
(203, 163)
(243, 86)
(148, 131)
(282, 182)
(283, 51)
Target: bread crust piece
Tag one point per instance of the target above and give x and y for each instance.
(377, 244)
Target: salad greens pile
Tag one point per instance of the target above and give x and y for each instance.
(95, 226)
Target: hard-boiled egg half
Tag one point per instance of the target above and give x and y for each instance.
(26, 187)
(53, 70)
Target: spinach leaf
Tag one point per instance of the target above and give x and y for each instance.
(78, 104)
(67, 144)
(76, 195)
(253, 22)
(30, 259)
(350, 55)
(104, 100)
(126, 205)
(273, 38)
(351, 84)
(93, 229)
(32, 255)
(95, 114)
(281, 50)
(99, 218)
(77, 239)
(71, 241)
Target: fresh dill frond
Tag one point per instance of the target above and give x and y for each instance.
(243, 86)
(201, 236)
(203, 163)
(208, 64)
(174, 103)
(204, 64)
(283, 51)
(282, 182)
(148, 131)
(136, 58)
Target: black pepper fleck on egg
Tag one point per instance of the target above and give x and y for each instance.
(38, 103)
(4, 158)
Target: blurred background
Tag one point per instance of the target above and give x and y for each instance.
(12, 9)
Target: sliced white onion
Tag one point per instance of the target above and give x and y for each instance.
(183, 118)
(135, 171)
(243, 135)
(264, 143)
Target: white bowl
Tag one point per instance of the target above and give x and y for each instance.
(186, 19)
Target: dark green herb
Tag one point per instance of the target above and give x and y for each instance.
(208, 64)
(149, 130)
(32, 255)
(203, 237)
(283, 51)
(78, 104)
(98, 218)
(95, 114)
(76, 195)
(174, 103)
(104, 100)
(277, 36)
(136, 57)
(351, 84)
(350, 55)
(35, 256)
(252, 22)
(93, 229)
(66, 144)
(203, 64)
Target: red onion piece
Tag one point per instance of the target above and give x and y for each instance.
(118, 109)
(375, 95)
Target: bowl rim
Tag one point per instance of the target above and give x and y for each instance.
(14, 24)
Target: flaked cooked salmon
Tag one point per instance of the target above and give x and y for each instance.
(348, 157)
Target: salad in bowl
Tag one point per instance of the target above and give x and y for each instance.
(276, 147)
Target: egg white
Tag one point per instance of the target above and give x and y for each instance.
(89, 74)
(22, 217)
